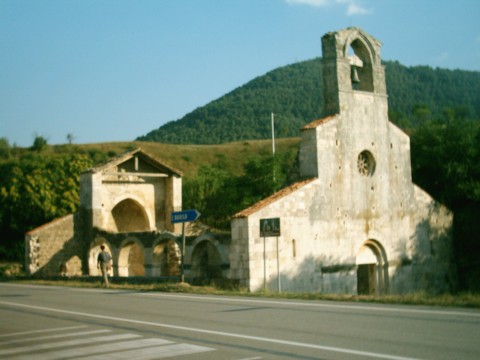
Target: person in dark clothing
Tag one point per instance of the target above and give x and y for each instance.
(103, 262)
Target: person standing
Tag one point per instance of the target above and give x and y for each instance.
(103, 262)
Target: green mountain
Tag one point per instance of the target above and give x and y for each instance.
(294, 93)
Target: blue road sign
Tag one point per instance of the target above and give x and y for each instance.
(184, 216)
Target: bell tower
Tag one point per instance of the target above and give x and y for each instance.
(351, 64)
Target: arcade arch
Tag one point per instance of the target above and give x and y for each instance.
(93, 255)
(131, 258)
(166, 258)
(206, 261)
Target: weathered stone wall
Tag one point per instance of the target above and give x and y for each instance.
(53, 249)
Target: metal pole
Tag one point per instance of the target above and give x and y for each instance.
(273, 134)
(273, 151)
(279, 281)
(183, 254)
(264, 265)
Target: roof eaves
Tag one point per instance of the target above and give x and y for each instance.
(319, 122)
(272, 198)
(128, 155)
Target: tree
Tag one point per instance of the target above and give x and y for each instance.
(35, 190)
(39, 143)
(5, 149)
(446, 163)
(70, 138)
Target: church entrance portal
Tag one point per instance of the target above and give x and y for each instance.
(372, 269)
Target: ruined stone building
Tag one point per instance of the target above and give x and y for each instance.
(357, 223)
(126, 205)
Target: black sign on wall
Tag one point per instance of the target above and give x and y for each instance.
(269, 227)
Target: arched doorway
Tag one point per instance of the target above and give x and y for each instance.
(372, 269)
(166, 258)
(130, 216)
(131, 259)
(206, 261)
(93, 255)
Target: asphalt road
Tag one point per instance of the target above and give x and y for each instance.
(48, 322)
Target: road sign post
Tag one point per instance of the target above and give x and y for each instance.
(270, 228)
(183, 217)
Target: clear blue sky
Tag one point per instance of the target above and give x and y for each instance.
(112, 70)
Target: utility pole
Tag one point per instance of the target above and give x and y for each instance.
(273, 150)
(273, 134)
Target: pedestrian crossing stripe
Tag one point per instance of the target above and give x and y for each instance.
(90, 343)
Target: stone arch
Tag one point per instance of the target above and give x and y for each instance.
(361, 54)
(372, 269)
(166, 257)
(131, 258)
(206, 259)
(130, 216)
(93, 255)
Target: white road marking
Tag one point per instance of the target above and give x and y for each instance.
(48, 337)
(44, 331)
(58, 344)
(405, 309)
(108, 349)
(152, 353)
(218, 333)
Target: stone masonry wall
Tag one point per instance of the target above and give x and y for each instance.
(53, 249)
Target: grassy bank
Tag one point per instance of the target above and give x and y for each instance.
(466, 300)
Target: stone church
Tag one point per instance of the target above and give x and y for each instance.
(356, 223)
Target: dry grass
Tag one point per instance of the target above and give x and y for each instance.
(188, 158)
(466, 300)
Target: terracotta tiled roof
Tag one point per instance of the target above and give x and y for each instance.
(318, 122)
(272, 198)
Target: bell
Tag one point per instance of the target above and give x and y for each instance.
(354, 75)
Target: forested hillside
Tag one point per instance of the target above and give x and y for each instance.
(294, 93)
(440, 110)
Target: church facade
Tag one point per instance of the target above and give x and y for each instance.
(356, 223)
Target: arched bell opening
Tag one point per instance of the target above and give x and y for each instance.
(361, 69)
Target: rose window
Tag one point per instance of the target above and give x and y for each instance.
(366, 163)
